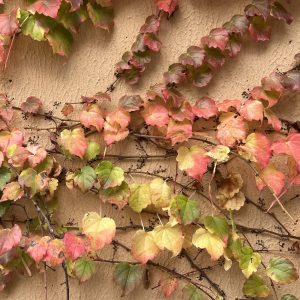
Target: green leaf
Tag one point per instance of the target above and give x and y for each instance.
(185, 210)
(140, 197)
(101, 16)
(83, 269)
(281, 270)
(289, 297)
(109, 175)
(30, 25)
(85, 178)
(127, 276)
(92, 151)
(191, 292)
(255, 287)
(4, 206)
(5, 176)
(218, 226)
(249, 261)
(118, 195)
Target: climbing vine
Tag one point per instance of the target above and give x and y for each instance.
(204, 139)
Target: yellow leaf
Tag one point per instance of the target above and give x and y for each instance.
(160, 193)
(144, 247)
(99, 230)
(185, 157)
(203, 239)
(169, 237)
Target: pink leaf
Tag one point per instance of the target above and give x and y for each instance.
(91, 117)
(55, 252)
(9, 238)
(8, 24)
(46, 7)
(75, 4)
(155, 114)
(217, 38)
(74, 245)
(168, 6)
(37, 248)
(273, 120)
(289, 146)
(179, 131)
(272, 178)
(36, 156)
(257, 149)
(205, 108)
(252, 110)
(225, 105)
(32, 105)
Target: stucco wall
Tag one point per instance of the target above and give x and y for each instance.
(33, 70)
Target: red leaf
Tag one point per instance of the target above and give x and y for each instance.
(217, 38)
(46, 7)
(271, 177)
(8, 23)
(176, 74)
(67, 109)
(156, 114)
(259, 29)
(183, 112)
(252, 110)
(205, 108)
(74, 245)
(289, 146)
(152, 42)
(9, 238)
(55, 252)
(168, 6)
(152, 24)
(231, 129)
(32, 105)
(193, 57)
(257, 148)
(37, 248)
(179, 131)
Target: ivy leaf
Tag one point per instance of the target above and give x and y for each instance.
(92, 151)
(140, 197)
(193, 57)
(282, 270)
(156, 114)
(271, 177)
(169, 237)
(91, 117)
(217, 38)
(280, 13)
(8, 24)
(115, 126)
(168, 6)
(74, 245)
(191, 292)
(289, 146)
(200, 76)
(252, 110)
(55, 253)
(249, 261)
(176, 74)
(37, 248)
(5, 176)
(74, 141)
(85, 178)
(259, 29)
(273, 120)
(218, 226)
(144, 247)
(288, 297)
(9, 238)
(118, 195)
(193, 161)
(46, 7)
(184, 209)
(168, 285)
(255, 286)
(205, 108)
(231, 129)
(152, 41)
(160, 193)
(127, 276)
(99, 230)
(12, 191)
(220, 153)
(130, 103)
(60, 39)
(36, 156)
(83, 269)
(214, 245)
(30, 25)
(67, 109)
(29, 178)
(257, 148)
(109, 176)
(152, 24)
(75, 4)
(101, 16)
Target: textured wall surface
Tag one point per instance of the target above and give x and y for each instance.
(34, 70)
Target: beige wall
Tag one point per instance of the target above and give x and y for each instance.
(35, 71)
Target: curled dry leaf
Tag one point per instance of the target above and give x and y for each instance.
(32, 105)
